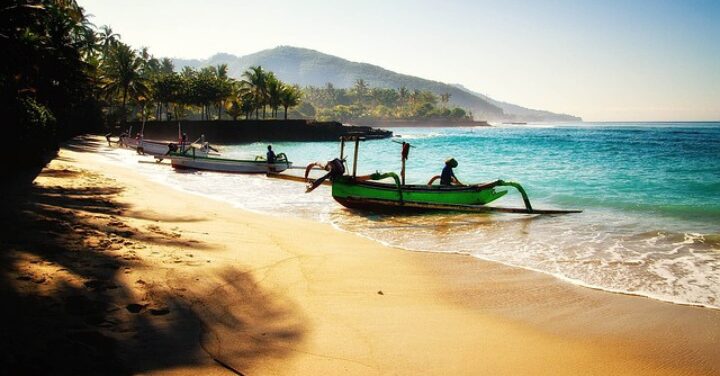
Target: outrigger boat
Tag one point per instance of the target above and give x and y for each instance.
(160, 148)
(195, 161)
(150, 147)
(368, 193)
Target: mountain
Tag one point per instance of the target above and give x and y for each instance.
(520, 113)
(307, 67)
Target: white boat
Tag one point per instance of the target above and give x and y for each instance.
(188, 160)
(161, 148)
(154, 148)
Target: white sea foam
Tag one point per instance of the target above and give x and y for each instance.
(598, 249)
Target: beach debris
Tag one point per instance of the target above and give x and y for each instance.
(380, 292)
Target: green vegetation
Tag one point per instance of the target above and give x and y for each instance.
(48, 78)
(156, 92)
(307, 67)
(63, 76)
(365, 102)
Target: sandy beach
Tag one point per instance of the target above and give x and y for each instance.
(104, 271)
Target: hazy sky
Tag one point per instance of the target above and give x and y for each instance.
(600, 59)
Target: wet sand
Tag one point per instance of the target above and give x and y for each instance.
(107, 272)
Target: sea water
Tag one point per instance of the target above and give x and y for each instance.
(650, 195)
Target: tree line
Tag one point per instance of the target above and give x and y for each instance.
(157, 92)
(137, 85)
(364, 101)
(61, 76)
(48, 78)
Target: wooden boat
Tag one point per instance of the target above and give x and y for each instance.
(161, 148)
(369, 193)
(151, 147)
(194, 161)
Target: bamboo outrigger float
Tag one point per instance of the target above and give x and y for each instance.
(368, 193)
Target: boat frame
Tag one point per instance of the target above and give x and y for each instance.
(191, 161)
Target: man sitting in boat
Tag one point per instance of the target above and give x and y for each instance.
(270, 156)
(447, 177)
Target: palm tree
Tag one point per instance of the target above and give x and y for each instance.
(289, 97)
(223, 86)
(445, 98)
(274, 88)
(403, 93)
(166, 65)
(122, 74)
(247, 104)
(330, 95)
(361, 90)
(256, 78)
(107, 38)
(415, 96)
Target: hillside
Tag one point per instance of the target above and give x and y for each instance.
(308, 67)
(520, 113)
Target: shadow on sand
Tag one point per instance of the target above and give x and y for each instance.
(68, 309)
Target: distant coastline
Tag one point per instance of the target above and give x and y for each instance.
(419, 123)
(244, 131)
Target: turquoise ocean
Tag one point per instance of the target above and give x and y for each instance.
(650, 193)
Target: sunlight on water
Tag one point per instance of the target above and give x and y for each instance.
(650, 195)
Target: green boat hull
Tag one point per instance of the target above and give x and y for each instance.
(377, 196)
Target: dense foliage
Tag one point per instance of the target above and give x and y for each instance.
(365, 102)
(47, 88)
(62, 76)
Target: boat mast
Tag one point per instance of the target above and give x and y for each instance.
(403, 158)
(355, 158)
(342, 148)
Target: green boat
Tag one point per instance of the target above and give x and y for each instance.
(371, 192)
(354, 193)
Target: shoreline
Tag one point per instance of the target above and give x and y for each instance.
(291, 296)
(558, 276)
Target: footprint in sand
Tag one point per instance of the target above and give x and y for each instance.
(159, 311)
(38, 280)
(135, 308)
